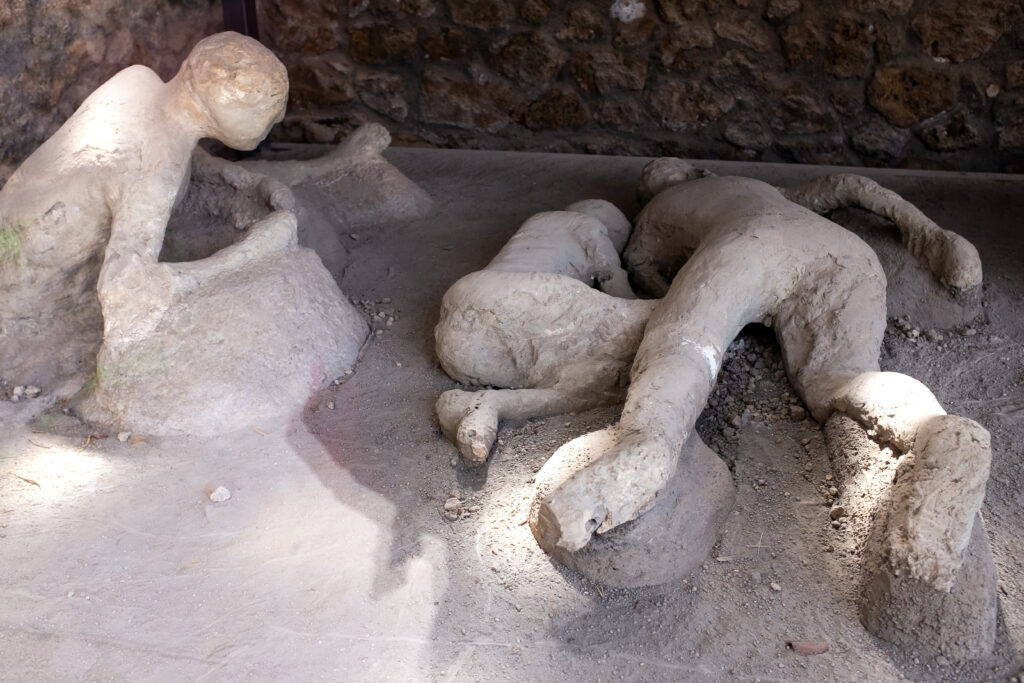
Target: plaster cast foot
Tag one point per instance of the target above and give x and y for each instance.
(469, 422)
(936, 502)
(617, 488)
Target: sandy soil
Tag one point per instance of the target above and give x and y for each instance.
(332, 560)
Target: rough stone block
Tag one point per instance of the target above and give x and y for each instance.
(906, 94)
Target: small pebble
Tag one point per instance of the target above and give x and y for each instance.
(123, 436)
(32, 391)
(776, 587)
(452, 503)
(220, 494)
(808, 467)
(330, 405)
(736, 421)
(798, 413)
(970, 332)
(837, 512)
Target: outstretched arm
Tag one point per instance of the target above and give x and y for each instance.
(950, 257)
(367, 142)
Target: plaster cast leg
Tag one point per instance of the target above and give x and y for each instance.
(933, 519)
(953, 260)
(957, 620)
(943, 490)
(672, 377)
(471, 418)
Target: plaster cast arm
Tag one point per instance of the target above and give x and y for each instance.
(365, 143)
(134, 289)
(951, 258)
(276, 232)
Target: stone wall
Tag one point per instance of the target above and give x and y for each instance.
(920, 83)
(53, 53)
(924, 83)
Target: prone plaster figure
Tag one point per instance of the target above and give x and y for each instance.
(754, 256)
(532, 321)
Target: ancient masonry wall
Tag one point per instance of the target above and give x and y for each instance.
(919, 83)
(53, 53)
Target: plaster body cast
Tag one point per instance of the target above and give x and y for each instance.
(532, 321)
(198, 347)
(751, 255)
(100, 191)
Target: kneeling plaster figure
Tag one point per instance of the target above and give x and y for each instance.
(751, 255)
(193, 347)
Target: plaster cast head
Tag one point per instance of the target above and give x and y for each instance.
(606, 212)
(665, 172)
(240, 88)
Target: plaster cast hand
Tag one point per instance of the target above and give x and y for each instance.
(615, 282)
